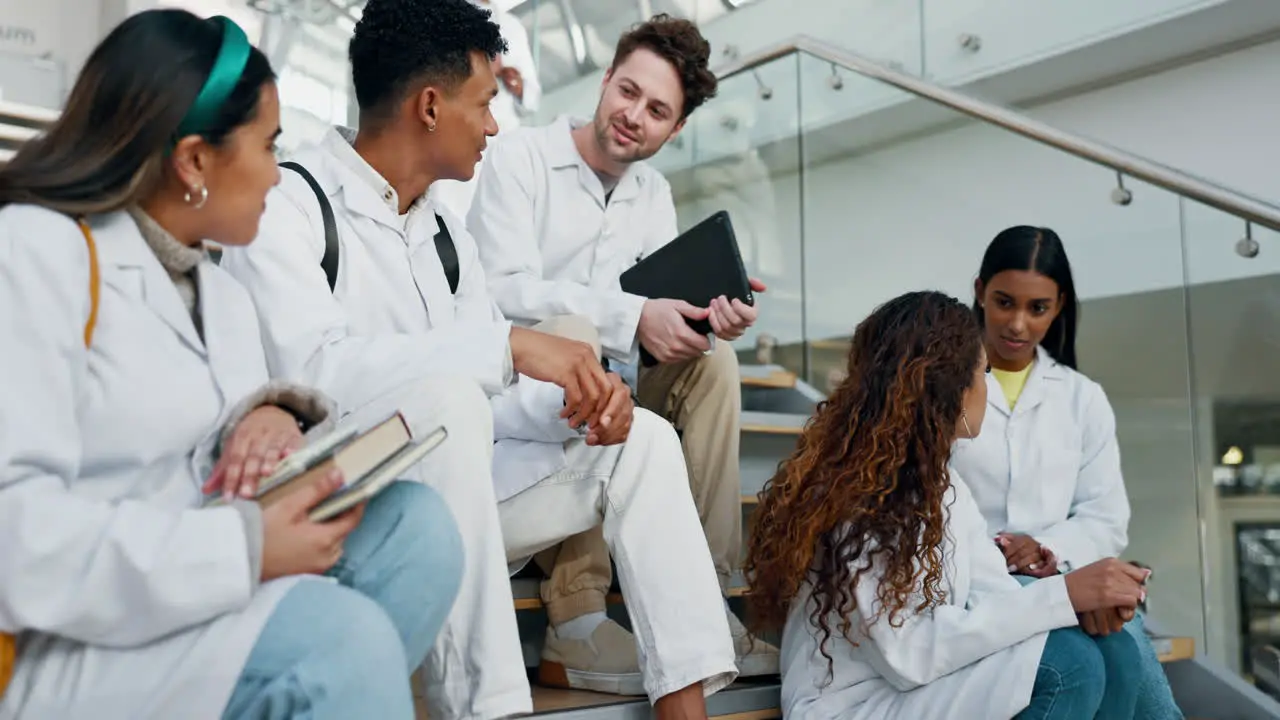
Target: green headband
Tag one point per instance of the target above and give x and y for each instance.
(226, 72)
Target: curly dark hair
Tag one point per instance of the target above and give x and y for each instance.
(866, 482)
(680, 43)
(401, 43)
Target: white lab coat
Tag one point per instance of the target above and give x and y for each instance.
(550, 243)
(1051, 467)
(390, 318)
(975, 656)
(133, 603)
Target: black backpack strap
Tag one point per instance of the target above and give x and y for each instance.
(448, 254)
(330, 260)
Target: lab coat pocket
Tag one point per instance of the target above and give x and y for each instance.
(1059, 470)
(617, 252)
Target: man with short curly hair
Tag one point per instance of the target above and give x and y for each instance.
(559, 213)
(399, 318)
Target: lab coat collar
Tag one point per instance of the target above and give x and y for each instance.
(1044, 373)
(120, 244)
(364, 190)
(563, 153)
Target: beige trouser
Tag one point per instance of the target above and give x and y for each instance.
(702, 399)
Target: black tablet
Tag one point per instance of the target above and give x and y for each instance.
(701, 264)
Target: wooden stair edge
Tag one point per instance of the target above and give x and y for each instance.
(764, 714)
(841, 344)
(779, 379)
(1174, 649)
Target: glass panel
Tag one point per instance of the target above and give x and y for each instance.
(1234, 314)
(901, 194)
(739, 153)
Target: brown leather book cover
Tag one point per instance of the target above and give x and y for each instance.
(356, 459)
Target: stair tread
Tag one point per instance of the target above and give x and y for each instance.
(767, 376)
(836, 343)
(773, 422)
(1173, 649)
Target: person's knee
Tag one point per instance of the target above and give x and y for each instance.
(1072, 663)
(718, 373)
(346, 632)
(665, 471)
(572, 327)
(455, 401)
(1122, 658)
(653, 431)
(427, 537)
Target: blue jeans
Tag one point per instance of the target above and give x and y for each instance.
(1155, 697)
(346, 649)
(1082, 677)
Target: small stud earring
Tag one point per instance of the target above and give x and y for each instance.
(431, 127)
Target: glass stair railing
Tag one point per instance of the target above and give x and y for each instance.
(849, 182)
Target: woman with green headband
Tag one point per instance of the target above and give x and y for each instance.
(132, 376)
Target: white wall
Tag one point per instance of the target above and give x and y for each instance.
(41, 45)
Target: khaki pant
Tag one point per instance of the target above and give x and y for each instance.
(702, 399)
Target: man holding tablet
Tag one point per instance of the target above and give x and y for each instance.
(560, 212)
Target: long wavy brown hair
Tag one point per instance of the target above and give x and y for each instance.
(866, 482)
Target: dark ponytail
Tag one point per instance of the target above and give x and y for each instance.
(1039, 250)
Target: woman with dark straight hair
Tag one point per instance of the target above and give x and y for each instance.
(133, 377)
(1038, 251)
(870, 554)
(1046, 474)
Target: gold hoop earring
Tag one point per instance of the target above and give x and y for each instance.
(204, 198)
(964, 418)
(431, 127)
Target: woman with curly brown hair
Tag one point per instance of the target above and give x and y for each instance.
(876, 562)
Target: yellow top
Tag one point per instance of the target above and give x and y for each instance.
(1012, 382)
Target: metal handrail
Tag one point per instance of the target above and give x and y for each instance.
(1225, 199)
